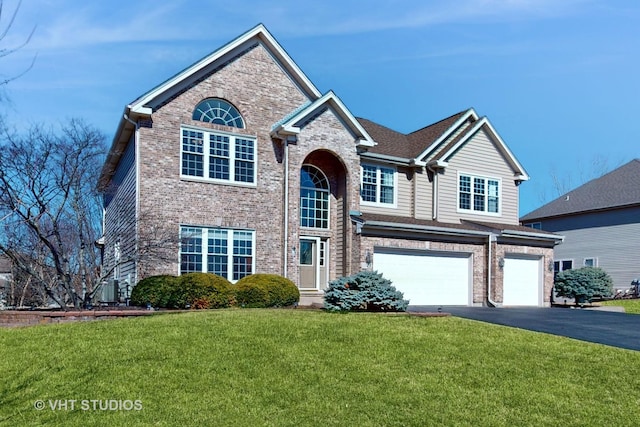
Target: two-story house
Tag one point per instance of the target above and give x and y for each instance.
(601, 224)
(253, 169)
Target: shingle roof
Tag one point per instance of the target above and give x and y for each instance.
(620, 187)
(408, 146)
(463, 225)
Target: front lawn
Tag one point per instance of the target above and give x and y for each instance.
(630, 305)
(296, 367)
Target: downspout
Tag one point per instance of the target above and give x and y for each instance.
(491, 302)
(434, 194)
(136, 145)
(285, 246)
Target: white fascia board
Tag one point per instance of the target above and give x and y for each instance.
(260, 32)
(330, 98)
(532, 235)
(469, 133)
(426, 229)
(522, 173)
(429, 150)
(387, 159)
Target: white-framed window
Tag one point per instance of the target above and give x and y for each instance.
(314, 198)
(378, 185)
(217, 156)
(590, 262)
(479, 194)
(226, 252)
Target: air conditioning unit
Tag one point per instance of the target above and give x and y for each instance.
(110, 292)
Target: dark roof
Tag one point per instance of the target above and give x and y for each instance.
(618, 188)
(408, 146)
(463, 225)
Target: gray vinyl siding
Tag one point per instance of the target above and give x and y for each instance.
(480, 157)
(120, 212)
(404, 195)
(423, 195)
(613, 237)
(451, 137)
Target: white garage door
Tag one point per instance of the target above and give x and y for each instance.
(427, 278)
(521, 281)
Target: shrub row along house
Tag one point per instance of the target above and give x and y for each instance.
(258, 171)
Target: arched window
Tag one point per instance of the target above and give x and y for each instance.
(218, 111)
(314, 198)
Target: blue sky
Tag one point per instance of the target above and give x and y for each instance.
(559, 79)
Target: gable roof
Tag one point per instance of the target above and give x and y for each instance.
(618, 188)
(143, 106)
(409, 146)
(417, 147)
(292, 124)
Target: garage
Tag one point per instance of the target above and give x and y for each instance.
(521, 283)
(427, 277)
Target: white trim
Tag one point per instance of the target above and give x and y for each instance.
(486, 195)
(593, 258)
(470, 113)
(522, 174)
(204, 230)
(289, 127)
(206, 157)
(259, 32)
(328, 200)
(378, 203)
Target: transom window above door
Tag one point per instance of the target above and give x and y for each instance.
(218, 111)
(314, 198)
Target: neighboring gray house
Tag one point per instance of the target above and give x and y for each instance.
(601, 224)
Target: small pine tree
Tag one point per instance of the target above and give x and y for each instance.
(364, 291)
(583, 284)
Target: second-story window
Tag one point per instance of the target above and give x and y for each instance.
(378, 185)
(218, 156)
(478, 194)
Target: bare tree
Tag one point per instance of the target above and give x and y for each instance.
(576, 174)
(51, 208)
(4, 50)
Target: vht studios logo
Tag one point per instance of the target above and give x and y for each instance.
(88, 405)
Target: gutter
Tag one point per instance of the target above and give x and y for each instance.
(390, 159)
(426, 228)
(532, 235)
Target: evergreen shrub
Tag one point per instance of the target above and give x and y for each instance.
(203, 290)
(364, 291)
(156, 291)
(266, 290)
(583, 284)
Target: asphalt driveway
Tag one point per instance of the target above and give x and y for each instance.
(603, 327)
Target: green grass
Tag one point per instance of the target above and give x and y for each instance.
(297, 367)
(630, 305)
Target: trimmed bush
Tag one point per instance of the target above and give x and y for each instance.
(266, 290)
(364, 291)
(155, 290)
(583, 284)
(194, 290)
(204, 290)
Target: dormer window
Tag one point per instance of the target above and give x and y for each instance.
(218, 111)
